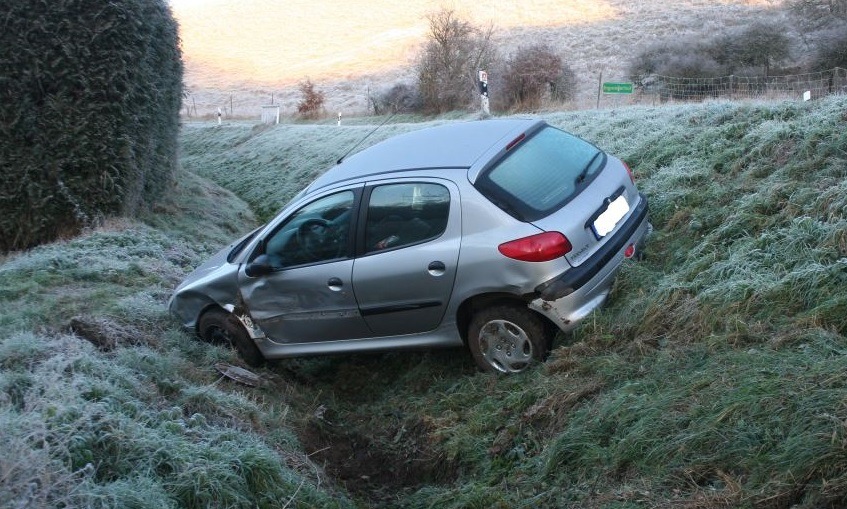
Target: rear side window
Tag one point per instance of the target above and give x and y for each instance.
(405, 214)
(541, 174)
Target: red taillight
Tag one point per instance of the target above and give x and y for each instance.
(537, 248)
(629, 171)
(630, 251)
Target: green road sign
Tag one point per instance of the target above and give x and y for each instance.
(617, 88)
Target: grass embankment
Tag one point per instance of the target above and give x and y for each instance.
(715, 377)
(104, 402)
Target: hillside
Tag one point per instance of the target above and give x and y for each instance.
(243, 54)
(714, 378)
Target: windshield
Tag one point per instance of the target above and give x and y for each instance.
(541, 174)
(239, 245)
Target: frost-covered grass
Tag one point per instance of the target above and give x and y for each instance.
(104, 402)
(268, 165)
(714, 377)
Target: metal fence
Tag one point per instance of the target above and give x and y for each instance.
(796, 86)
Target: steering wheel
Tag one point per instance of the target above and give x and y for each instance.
(312, 237)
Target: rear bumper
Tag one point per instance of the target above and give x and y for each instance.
(570, 297)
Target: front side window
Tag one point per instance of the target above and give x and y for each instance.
(318, 232)
(541, 174)
(405, 214)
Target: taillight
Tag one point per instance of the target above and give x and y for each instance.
(629, 171)
(537, 248)
(514, 142)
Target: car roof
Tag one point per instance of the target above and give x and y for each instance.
(454, 145)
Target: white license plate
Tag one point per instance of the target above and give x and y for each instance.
(607, 221)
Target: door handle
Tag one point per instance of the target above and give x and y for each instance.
(335, 284)
(436, 268)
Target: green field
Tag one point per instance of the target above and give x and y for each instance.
(716, 376)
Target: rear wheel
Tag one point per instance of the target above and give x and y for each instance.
(507, 339)
(219, 327)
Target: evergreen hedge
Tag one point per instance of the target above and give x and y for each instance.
(90, 93)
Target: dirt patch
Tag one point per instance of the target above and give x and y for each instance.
(106, 333)
(378, 464)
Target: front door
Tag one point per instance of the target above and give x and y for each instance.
(309, 295)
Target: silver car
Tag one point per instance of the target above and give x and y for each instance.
(492, 234)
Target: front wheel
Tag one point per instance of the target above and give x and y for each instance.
(219, 327)
(507, 339)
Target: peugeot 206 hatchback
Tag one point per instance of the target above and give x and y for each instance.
(491, 234)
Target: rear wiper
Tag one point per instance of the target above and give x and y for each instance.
(584, 173)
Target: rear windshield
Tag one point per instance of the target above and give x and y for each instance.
(541, 174)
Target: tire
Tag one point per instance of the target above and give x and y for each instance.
(507, 339)
(219, 327)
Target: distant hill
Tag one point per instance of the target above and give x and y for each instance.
(240, 55)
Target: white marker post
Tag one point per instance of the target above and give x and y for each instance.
(339, 118)
(483, 92)
(219, 116)
(807, 95)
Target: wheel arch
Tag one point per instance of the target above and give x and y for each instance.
(473, 304)
(208, 307)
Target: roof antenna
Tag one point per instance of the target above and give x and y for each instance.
(365, 138)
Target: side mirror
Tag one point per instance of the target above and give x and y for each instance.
(259, 267)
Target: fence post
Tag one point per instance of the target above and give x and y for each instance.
(731, 92)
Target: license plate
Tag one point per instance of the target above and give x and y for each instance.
(607, 221)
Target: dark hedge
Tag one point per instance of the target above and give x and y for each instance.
(90, 92)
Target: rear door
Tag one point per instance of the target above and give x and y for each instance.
(408, 252)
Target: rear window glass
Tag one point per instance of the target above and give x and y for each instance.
(541, 174)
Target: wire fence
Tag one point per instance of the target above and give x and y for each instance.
(653, 90)
(797, 86)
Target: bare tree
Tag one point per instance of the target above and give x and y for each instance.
(820, 13)
(400, 98)
(311, 101)
(761, 44)
(830, 49)
(825, 30)
(533, 72)
(447, 67)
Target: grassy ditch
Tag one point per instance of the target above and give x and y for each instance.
(104, 402)
(714, 377)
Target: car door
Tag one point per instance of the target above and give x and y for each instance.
(408, 251)
(308, 296)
